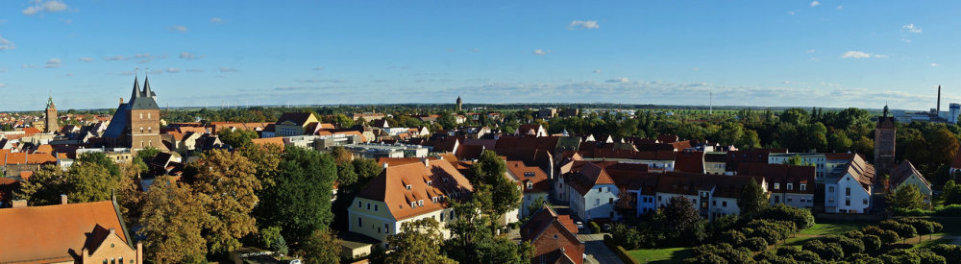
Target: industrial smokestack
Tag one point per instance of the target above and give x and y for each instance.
(938, 113)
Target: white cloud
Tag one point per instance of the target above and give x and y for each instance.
(619, 80)
(40, 6)
(189, 56)
(861, 55)
(810, 51)
(115, 58)
(178, 28)
(540, 52)
(28, 66)
(173, 70)
(86, 59)
(216, 20)
(583, 24)
(6, 44)
(905, 40)
(143, 57)
(934, 64)
(790, 13)
(52, 63)
(3, 85)
(840, 7)
(227, 69)
(195, 70)
(319, 68)
(911, 28)
(815, 3)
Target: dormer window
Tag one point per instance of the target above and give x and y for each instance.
(420, 202)
(429, 182)
(530, 185)
(777, 186)
(407, 186)
(529, 174)
(790, 186)
(413, 204)
(804, 187)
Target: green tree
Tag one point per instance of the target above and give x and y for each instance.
(495, 193)
(171, 224)
(752, 200)
(951, 193)
(680, 215)
(321, 247)
(270, 238)
(226, 184)
(418, 242)
(299, 202)
(237, 138)
(907, 197)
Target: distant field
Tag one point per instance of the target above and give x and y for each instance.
(660, 255)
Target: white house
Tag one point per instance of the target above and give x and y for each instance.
(591, 193)
(407, 192)
(850, 191)
(712, 195)
(533, 182)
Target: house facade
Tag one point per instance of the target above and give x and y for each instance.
(850, 191)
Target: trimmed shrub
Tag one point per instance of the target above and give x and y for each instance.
(889, 237)
(872, 230)
(850, 246)
(871, 243)
(732, 237)
(952, 253)
(828, 251)
(928, 257)
(923, 227)
(950, 210)
(901, 256)
(802, 218)
(755, 244)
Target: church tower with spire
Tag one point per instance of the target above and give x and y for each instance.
(460, 103)
(50, 124)
(136, 123)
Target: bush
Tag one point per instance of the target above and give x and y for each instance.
(755, 244)
(595, 228)
(871, 243)
(889, 237)
(732, 237)
(900, 256)
(950, 210)
(622, 254)
(872, 230)
(952, 253)
(801, 218)
(928, 257)
(829, 251)
(923, 227)
(850, 246)
(904, 231)
(912, 212)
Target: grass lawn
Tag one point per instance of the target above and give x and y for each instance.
(821, 229)
(660, 255)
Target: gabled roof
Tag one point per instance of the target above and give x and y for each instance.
(782, 174)
(435, 178)
(590, 175)
(528, 174)
(299, 118)
(904, 171)
(49, 233)
(543, 220)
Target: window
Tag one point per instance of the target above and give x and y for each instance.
(530, 185)
(804, 187)
(368, 206)
(378, 230)
(610, 200)
(597, 202)
(358, 204)
(407, 186)
(141, 116)
(847, 202)
(847, 191)
(420, 202)
(713, 203)
(724, 204)
(777, 186)
(830, 189)
(790, 186)
(386, 227)
(865, 201)
(148, 115)
(375, 208)
(360, 221)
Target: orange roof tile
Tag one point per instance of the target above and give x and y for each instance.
(437, 179)
(49, 232)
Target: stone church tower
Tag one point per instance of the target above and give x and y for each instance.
(460, 103)
(136, 124)
(50, 124)
(884, 142)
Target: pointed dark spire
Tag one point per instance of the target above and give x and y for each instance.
(146, 86)
(885, 110)
(50, 102)
(136, 89)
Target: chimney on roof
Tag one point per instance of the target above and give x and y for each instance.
(63, 199)
(386, 165)
(426, 162)
(19, 203)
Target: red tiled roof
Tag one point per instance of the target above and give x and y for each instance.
(524, 174)
(44, 233)
(437, 179)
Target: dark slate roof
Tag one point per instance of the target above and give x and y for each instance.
(119, 122)
(143, 99)
(297, 118)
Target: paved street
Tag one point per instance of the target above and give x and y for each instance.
(596, 251)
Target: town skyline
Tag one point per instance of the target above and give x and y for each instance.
(799, 53)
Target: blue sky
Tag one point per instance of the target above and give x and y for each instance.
(211, 53)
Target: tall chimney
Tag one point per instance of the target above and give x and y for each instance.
(63, 199)
(938, 113)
